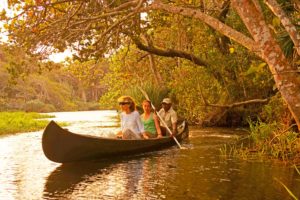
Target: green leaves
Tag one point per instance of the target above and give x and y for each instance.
(256, 68)
(3, 15)
(276, 22)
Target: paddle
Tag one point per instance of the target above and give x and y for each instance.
(161, 119)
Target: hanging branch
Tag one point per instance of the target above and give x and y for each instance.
(169, 52)
(252, 101)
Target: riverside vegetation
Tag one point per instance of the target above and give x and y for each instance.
(269, 138)
(207, 56)
(15, 122)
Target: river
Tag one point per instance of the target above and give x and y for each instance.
(196, 172)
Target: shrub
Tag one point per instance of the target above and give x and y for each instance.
(276, 111)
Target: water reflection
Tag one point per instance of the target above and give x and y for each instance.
(170, 174)
(197, 172)
(135, 177)
(62, 181)
(22, 166)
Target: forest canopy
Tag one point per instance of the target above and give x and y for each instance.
(219, 60)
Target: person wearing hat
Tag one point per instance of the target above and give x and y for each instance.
(169, 116)
(131, 124)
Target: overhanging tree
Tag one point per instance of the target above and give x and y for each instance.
(94, 28)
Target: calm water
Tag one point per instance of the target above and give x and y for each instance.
(198, 172)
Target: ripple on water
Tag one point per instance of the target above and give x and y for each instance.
(197, 172)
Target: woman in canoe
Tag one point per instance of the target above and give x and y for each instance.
(131, 124)
(150, 121)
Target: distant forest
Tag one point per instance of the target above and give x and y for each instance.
(31, 85)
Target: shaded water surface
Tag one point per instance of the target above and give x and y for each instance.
(197, 172)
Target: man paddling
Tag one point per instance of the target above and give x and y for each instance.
(169, 116)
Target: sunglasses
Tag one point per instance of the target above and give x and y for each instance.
(124, 103)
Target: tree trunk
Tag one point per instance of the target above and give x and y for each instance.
(286, 22)
(153, 67)
(155, 73)
(83, 95)
(287, 80)
(264, 45)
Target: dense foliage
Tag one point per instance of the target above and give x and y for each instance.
(31, 85)
(21, 121)
(221, 64)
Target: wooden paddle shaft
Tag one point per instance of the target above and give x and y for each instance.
(164, 123)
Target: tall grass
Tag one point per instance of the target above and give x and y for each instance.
(15, 122)
(292, 195)
(267, 141)
(287, 189)
(274, 141)
(155, 93)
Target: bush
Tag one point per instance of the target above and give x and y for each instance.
(14, 122)
(276, 111)
(3, 104)
(92, 106)
(48, 108)
(269, 141)
(38, 106)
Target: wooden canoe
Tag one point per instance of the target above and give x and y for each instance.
(62, 146)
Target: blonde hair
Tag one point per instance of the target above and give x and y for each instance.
(132, 105)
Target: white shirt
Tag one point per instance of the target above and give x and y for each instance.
(170, 117)
(132, 121)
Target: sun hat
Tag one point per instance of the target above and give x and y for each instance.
(126, 99)
(167, 101)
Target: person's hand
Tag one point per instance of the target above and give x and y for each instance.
(145, 136)
(159, 136)
(119, 135)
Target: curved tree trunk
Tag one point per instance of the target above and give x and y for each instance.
(264, 45)
(287, 80)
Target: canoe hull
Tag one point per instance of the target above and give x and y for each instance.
(60, 145)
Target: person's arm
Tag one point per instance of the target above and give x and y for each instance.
(120, 133)
(157, 126)
(122, 123)
(141, 126)
(174, 122)
(174, 128)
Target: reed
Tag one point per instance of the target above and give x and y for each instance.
(16, 122)
(286, 188)
(155, 93)
(267, 141)
(296, 168)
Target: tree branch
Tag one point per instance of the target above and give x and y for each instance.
(252, 101)
(169, 53)
(249, 43)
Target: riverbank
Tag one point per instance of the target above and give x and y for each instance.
(16, 122)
